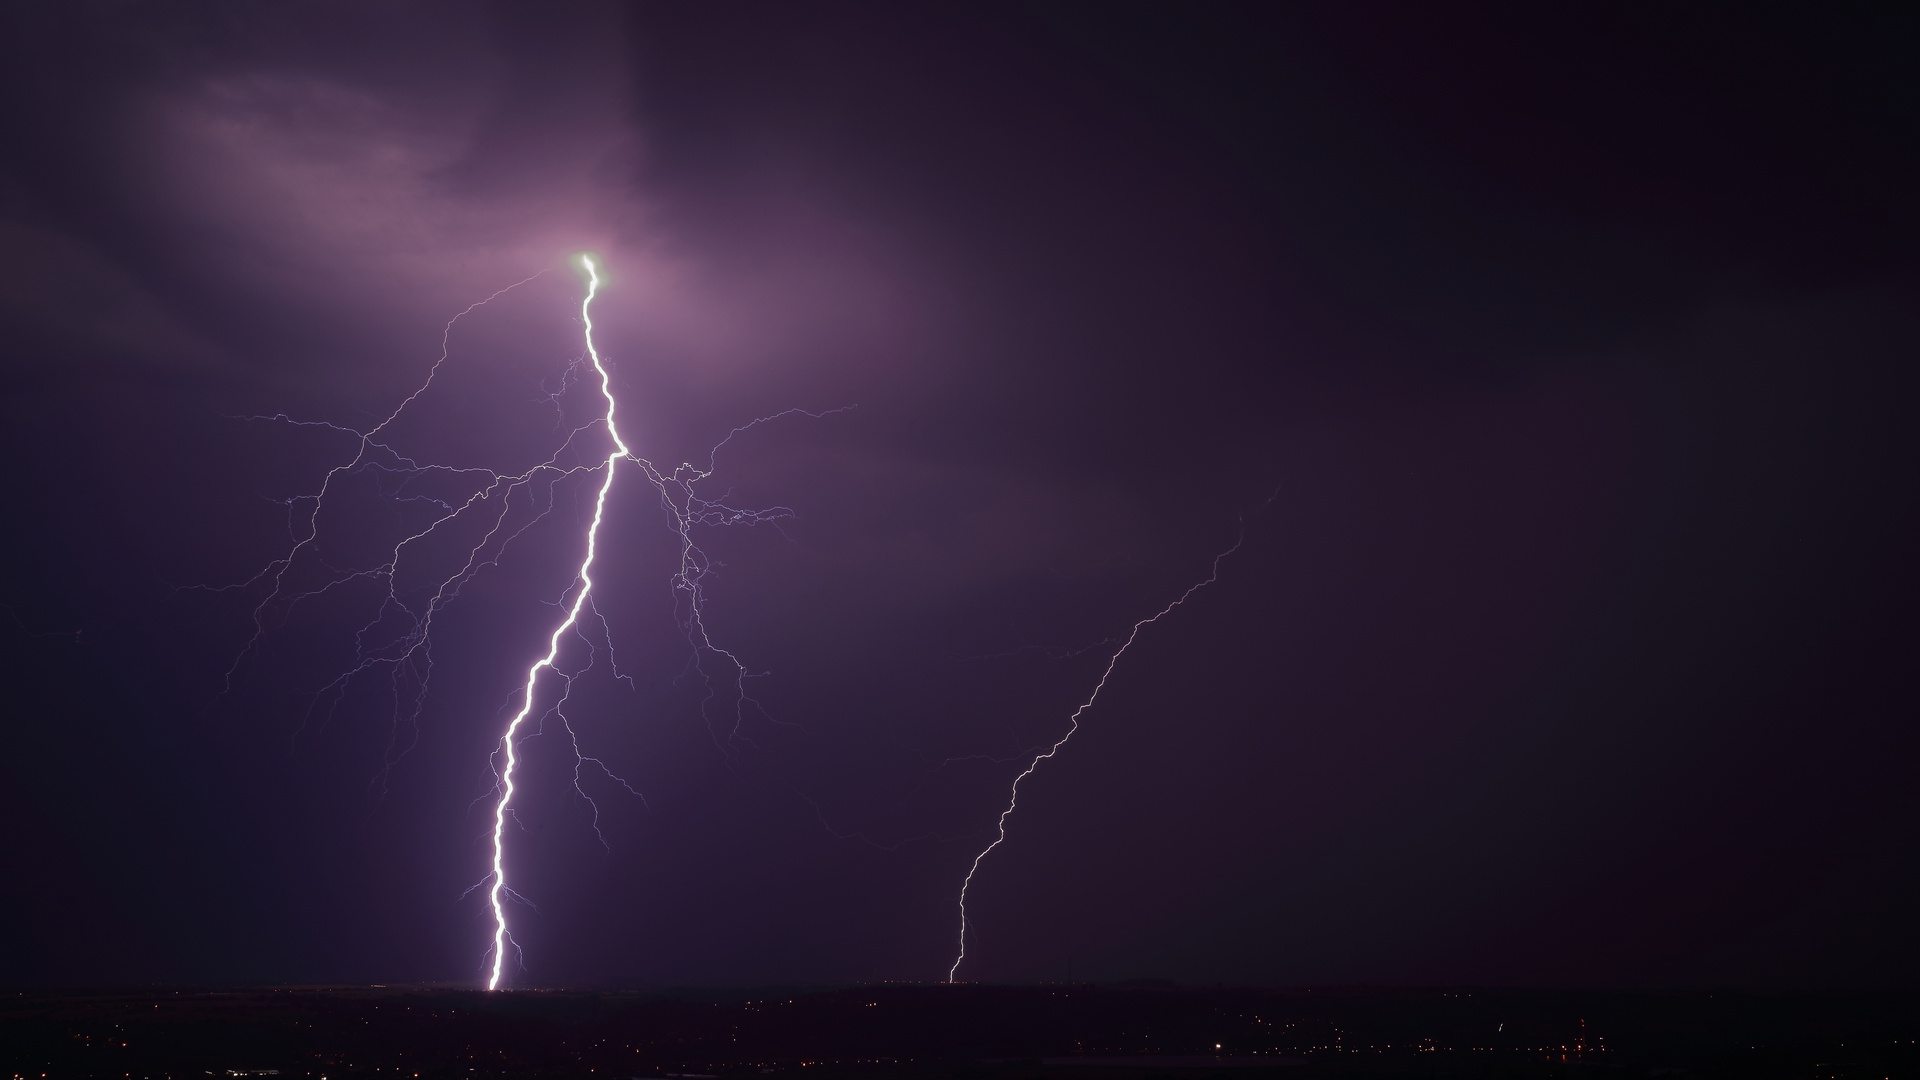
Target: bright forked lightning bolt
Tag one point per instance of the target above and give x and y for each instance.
(1073, 725)
(438, 509)
(553, 640)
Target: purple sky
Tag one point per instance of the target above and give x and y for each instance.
(1558, 369)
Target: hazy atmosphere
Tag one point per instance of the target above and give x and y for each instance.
(1552, 370)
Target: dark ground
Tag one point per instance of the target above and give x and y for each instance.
(958, 1033)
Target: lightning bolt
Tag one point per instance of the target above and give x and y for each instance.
(397, 637)
(1073, 725)
(407, 656)
(584, 581)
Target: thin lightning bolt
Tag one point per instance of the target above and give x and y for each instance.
(1073, 725)
(553, 640)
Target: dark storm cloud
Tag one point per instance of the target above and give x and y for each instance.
(1576, 348)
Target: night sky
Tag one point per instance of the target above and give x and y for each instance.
(1555, 364)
